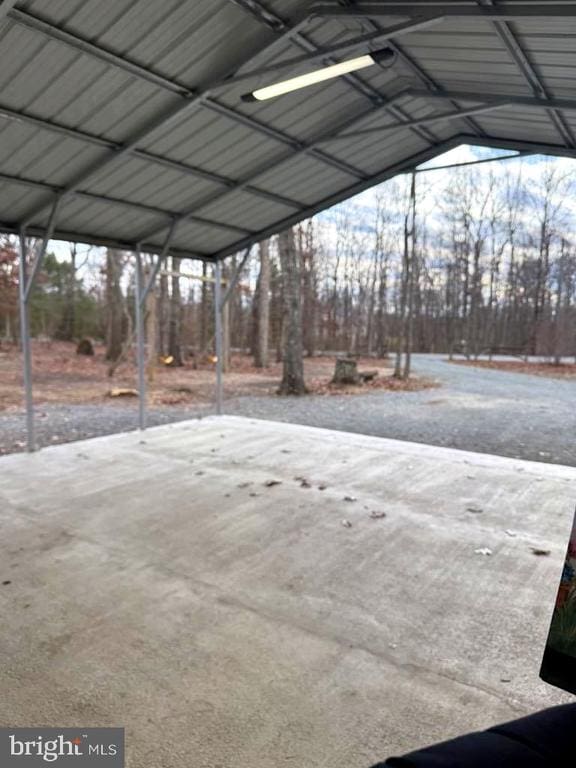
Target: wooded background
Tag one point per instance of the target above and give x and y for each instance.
(486, 261)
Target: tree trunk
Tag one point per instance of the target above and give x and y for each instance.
(151, 324)
(204, 309)
(263, 313)
(163, 315)
(175, 328)
(114, 306)
(293, 364)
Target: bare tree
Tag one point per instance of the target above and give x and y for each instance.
(175, 323)
(114, 305)
(293, 364)
(263, 308)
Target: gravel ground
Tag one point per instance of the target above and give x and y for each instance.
(509, 414)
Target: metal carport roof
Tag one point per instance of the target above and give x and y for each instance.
(119, 119)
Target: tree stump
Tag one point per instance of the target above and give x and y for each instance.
(85, 347)
(346, 371)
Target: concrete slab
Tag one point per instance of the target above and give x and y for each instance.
(157, 582)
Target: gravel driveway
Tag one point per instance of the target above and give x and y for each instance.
(488, 411)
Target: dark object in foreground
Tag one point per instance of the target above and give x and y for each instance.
(545, 739)
(559, 669)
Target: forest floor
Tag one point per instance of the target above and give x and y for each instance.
(532, 367)
(81, 385)
(482, 409)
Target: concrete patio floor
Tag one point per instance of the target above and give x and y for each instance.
(157, 582)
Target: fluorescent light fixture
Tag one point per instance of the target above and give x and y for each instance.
(320, 75)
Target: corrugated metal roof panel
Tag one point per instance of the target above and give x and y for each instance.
(127, 73)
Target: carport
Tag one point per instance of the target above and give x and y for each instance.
(131, 128)
(157, 582)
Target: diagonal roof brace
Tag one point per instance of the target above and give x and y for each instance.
(494, 98)
(378, 36)
(438, 118)
(454, 10)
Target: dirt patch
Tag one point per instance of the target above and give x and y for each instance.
(61, 377)
(549, 370)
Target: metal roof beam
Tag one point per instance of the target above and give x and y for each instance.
(378, 36)
(150, 157)
(108, 57)
(401, 167)
(104, 242)
(441, 117)
(421, 157)
(495, 99)
(184, 105)
(533, 147)
(293, 32)
(5, 7)
(92, 197)
(304, 149)
(284, 138)
(418, 70)
(516, 51)
(509, 12)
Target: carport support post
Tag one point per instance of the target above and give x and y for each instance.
(140, 351)
(25, 286)
(218, 335)
(25, 343)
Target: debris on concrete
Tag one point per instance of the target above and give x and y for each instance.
(475, 510)
(512, 534)
(350, 498)
(540, 552)
(346, 523)
(377, 515)
(272, 483)
(483, 551)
